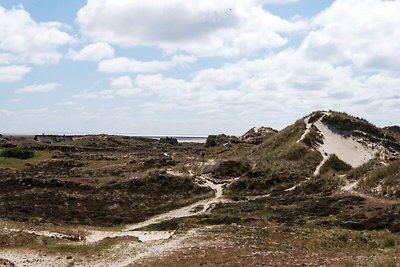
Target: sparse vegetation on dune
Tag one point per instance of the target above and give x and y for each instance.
(334, 164)
(273, 208)
(346, 124)
(383, 180)
(64, 202)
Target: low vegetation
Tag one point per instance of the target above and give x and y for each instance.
(383, 180)
(336, 165)
(18, 153)
(275, 212)
(346, 124)
(16, 163)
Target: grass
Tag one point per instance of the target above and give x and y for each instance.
(380, 262)
(388, 177)
(345, 123)
(335, 164)
(21, 163)
(51, 245)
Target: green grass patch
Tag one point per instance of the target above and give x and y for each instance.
(17, 152)
(21, 163)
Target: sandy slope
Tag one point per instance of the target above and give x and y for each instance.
(347, 149)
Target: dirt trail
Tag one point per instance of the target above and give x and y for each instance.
(194, 209)
(351, 187)
(308, 127)
(155, 242)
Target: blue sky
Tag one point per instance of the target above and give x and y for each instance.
(175, 67)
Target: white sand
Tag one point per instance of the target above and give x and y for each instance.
(346, 149)
(144, 236)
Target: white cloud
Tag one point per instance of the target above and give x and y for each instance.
(122, 82)
(68, 104)
(13, 73)
(92, 52)
(126, 65)
(123, 86)
(30, 41)
(6, 112)
(365, 33)
(6, 58)
(206, 28)
(39, 88)
(103, 94)
(287, 84)
(279, 2)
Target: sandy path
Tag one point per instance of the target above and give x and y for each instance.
(308, 127)
(154, 242)
(25, 258)
(194, 209)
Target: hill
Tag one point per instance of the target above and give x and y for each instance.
(326, 187)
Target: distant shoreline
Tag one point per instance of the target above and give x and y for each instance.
(180, 138)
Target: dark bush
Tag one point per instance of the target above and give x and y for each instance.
(18, 152)
(335, 164)
(211, 141)
(215, 140)
(231, 168)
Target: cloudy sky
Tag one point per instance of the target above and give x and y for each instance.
(194, 67)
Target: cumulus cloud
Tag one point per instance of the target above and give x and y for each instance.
(28, 40)
(286, 83)
(124, 65)
(93, 52)
(364, 33)
(123, 86)
(38, 88)
(102, 94)
(206, 28)
(13, 73)
(122, 82)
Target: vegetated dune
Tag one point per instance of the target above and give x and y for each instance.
(329, 183)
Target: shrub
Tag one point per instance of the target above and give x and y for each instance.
(231, 168)
(211, 142)
(17, 152)
(387, 175)
(335, 164)
(313, 138)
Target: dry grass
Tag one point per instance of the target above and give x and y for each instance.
(387, 177)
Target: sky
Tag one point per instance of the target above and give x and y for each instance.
(201, 67)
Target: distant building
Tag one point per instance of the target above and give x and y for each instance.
(50, 139)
